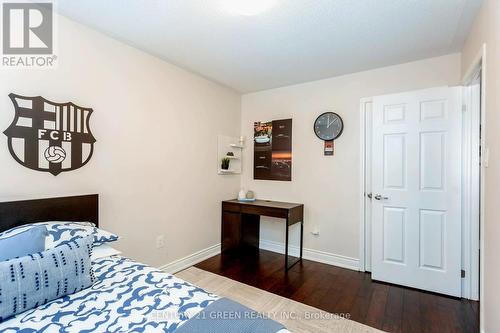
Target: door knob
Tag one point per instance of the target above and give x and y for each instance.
(380, 197)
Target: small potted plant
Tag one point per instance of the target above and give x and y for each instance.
(225, 163)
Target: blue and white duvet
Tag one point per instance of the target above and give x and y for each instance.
(127, 297)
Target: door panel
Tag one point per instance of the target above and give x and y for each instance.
(394, 234)
(432, 155)
(394, 113)
(394, 161)
(432, 242)
(433, 110)
(416, 168)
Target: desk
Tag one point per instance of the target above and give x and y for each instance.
(241, 223)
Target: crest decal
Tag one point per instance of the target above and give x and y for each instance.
(48, 136)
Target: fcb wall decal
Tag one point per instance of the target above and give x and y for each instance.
(48, 136)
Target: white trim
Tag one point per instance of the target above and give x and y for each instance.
(471, 188)
(364, 251)
(480, 61)
(192, 259)
(483, 185)
(362, 192)
(310, 254)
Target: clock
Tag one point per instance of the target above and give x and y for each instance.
(328, 126)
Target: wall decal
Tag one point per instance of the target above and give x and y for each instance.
(273, 150)
(48, 136)
(329, 148)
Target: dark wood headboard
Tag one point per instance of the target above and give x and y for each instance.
(83, 208)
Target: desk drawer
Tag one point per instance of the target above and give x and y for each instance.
(231, 207)
(264, 211)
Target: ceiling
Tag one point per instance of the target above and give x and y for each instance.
(295, 41)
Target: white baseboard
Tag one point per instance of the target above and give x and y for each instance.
(190, 260)
(314, 255)
(309, 254)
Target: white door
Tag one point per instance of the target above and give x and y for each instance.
(416, 185)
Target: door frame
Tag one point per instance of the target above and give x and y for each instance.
(470, 239)
(365, 210)
(479, 64)
(471, 187)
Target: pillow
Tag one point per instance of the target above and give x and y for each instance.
(63, 232)
(103, 251)
(36, 279)
(26, 242)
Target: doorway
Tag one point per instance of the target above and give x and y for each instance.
(420, 213)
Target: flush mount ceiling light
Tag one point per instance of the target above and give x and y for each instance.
(248, 7)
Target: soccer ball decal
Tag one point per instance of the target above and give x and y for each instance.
(54, 154)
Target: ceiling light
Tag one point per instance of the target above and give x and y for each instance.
(248, 7)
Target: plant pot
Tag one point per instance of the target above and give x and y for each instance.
(225, 164)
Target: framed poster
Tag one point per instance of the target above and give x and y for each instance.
(273, 150)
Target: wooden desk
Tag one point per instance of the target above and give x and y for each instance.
(241, 223)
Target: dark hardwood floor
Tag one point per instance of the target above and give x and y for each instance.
(337, 290)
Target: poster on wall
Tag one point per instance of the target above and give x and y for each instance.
(49, 137)
(273, 150)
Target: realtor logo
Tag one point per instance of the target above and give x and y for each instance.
(48, 136)
(27, 37)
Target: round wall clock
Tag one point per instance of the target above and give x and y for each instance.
(328, 126)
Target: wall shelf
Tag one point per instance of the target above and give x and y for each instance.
(228, 172)
(226, 144)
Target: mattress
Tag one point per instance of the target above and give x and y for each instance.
(127, 297)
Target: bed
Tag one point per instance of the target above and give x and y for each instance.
(127, 296)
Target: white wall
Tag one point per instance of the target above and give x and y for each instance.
(155, 159)
(329, 186)
(486, 29)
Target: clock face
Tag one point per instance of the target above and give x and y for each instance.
(328, 126)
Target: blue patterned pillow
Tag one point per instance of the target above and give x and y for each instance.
(36, 279)
(63, 232)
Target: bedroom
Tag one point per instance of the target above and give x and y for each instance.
(156, 106)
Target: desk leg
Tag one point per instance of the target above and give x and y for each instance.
(286, 245)
(301, 238)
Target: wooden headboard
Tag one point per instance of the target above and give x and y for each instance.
(83, 208)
